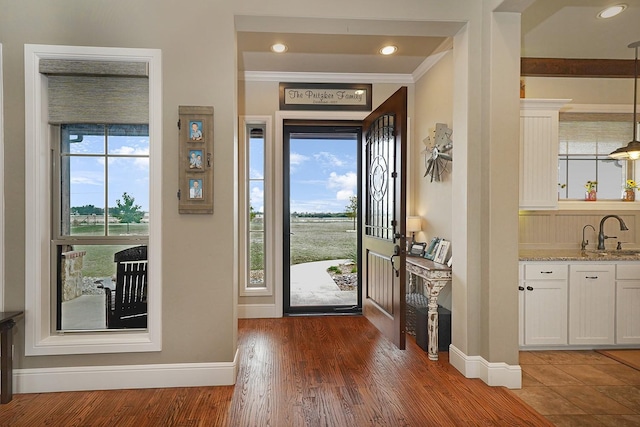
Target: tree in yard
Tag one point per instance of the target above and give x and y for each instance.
(126, 211)
(352, 209)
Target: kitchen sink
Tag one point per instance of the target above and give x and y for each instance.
(618, 252)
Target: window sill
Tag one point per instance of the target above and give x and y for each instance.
(598, 205)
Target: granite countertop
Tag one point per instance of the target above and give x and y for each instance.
(578, 255)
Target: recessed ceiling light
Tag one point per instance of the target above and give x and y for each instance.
(612, 11)
(389, 50)
(279, 48)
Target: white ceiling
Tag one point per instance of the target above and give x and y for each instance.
(550, 29)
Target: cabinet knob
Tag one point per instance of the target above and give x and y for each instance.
(590, 277)
(529, 288)
(521, 288)
(546, 272)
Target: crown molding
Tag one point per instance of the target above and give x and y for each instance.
(427, 64)
(276, 76)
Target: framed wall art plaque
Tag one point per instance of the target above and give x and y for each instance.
(195, 128)
(325, 96)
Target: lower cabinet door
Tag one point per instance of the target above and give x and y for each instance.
(545, 312)
(591, 304)
(628, 312)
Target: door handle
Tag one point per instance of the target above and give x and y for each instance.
(396, 252)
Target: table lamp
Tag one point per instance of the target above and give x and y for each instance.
(414, 223)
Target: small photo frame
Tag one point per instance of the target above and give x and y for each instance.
(196, 160)
(196, 131)
(417, 249)
(196, 189)
(442, 252)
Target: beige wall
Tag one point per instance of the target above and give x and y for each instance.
(581, 90)
(432, 200)
(199, 278)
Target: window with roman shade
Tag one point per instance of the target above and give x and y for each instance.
(93, 160)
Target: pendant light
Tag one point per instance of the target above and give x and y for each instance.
(632, 150)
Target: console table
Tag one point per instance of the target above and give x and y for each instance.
(6, 354)
(435, 277)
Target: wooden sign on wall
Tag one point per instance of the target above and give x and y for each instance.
(195, 164)
(325, 96)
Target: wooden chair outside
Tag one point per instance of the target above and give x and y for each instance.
(126, 306)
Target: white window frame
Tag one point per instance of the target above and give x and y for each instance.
(40, 336)
(1, 186)
(243, 212)
(565, 204)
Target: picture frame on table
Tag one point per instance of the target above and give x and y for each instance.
(430, 252)
(417, 248)
(442, 251)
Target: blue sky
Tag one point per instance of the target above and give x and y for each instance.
(323, 175)
(130, 174)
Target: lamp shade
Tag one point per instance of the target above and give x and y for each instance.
(414, 223)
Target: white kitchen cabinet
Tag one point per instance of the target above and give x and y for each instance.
(628, 304)
(592, 304)
(544, 304)
(539, 152)
(521, 305)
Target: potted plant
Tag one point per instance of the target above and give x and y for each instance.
(629, 192)
(590, 194)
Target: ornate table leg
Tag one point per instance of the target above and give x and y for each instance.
(434, 288)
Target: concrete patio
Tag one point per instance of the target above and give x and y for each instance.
(311, 285)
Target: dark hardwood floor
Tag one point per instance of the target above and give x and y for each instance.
(298, 371)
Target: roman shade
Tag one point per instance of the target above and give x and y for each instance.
(97, 91)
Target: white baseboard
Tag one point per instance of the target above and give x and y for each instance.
(44, 380)
(494, 374)
(257, 311)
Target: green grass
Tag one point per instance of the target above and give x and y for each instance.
(114, 229)
(98, 261)
(319, 240)
(312, 239)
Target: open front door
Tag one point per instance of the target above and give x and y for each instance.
(384, 211)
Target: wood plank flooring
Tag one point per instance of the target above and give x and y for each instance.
(298, 371)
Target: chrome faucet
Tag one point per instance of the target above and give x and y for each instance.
(584, 243)
(602, 237)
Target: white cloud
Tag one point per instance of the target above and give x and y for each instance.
(328, 159)
(126, 150)
(256, 199)
(87, 178)
(344, 194)
(255, 174)
(345, 185)
(303, 206)
(296, 159)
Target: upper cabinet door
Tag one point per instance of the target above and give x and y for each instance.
(539, 153)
